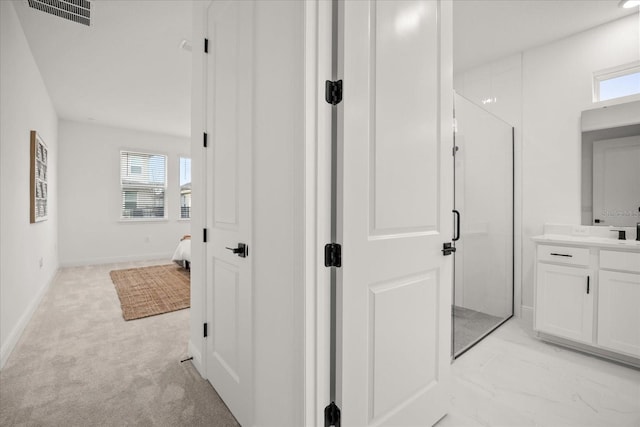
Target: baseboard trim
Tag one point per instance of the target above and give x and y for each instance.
(589, 349)
(197, 358)
(527, 315)
(16, 333)
(113, 260)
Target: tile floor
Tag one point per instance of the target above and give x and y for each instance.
(513, 379)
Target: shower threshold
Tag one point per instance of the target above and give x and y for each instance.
(470, 327)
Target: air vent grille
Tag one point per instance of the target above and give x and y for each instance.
(74, 10)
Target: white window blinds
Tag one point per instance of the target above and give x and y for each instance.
(143, 179)
(185, 188)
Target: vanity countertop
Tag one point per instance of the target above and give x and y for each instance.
(590, 241)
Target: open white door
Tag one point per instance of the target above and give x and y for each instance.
(616, 180)
(229, 84)
(395, 175)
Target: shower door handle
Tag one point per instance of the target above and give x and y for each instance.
(457, 235)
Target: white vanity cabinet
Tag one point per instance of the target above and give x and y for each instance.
(564, 296)
(587, 296)
(565, 302)
(619, 302)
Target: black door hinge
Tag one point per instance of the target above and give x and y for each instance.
(204, 330)
(333, 92)
(204, 139)
(206, 45)
(332, 255)
(448, 248)
(204, 235)
(332, 415)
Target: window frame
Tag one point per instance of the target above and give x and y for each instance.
(180, 157)
(126, 187)
(612, 73)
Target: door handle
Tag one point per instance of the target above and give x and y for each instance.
(448, 248)
(457, 235)
(242, 250)
(588, 283)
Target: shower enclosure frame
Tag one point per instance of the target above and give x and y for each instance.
(503, 321)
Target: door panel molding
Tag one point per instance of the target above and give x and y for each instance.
(389, 384)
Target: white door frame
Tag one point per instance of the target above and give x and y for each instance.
(317, 205)
(197, 341)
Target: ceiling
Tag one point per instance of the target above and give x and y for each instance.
(127, 69)
(485, 30)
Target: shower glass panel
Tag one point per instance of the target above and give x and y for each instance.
(483, 274)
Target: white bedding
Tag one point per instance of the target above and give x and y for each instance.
(183, 251)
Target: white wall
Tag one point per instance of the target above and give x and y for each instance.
(24, 106)
(91, 231)
(555, 87)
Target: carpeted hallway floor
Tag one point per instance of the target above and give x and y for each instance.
(78, 363)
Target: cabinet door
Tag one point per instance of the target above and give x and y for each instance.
(619, 312)
(564, 302)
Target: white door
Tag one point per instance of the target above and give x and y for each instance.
(395, 196)
(564, 301)
(616, 181)
(229, 278)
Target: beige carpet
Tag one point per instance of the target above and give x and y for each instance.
(78, 363)
(148, 291)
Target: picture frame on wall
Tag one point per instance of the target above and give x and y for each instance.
(38, 179)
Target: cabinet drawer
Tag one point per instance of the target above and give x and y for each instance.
(564, 255)
(615, 260)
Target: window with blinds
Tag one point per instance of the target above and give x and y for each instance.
(185, 188)
(143, 179)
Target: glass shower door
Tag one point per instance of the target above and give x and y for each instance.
(483, 273)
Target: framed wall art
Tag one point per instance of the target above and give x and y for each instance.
(39, 187)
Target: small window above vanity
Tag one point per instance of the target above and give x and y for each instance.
(587, 290)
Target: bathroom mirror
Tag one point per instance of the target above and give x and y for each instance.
(611, 165)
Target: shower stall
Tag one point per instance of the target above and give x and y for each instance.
(483, 215)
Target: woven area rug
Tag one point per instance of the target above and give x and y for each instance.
(148, 291)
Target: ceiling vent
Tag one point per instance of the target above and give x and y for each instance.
(74, 10)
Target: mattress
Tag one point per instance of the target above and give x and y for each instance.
(183, 251)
